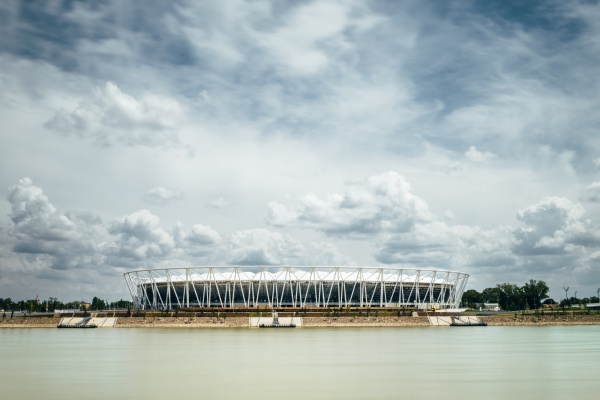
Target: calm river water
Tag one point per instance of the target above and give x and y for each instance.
(309, 363)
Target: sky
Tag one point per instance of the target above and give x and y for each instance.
(455, 135)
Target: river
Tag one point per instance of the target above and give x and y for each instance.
(552, 362)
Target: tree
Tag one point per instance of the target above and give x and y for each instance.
(490, 295)
(7, 303)
(97, 304)
(510, 296)
(534, 291)
(470, 297)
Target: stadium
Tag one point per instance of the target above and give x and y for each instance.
(298, 287)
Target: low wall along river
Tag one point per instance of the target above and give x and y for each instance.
(324, 321)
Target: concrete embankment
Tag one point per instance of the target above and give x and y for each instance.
(243, 322)
(239, 322)
(100, 322)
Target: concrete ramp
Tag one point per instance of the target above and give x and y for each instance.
(101, 322)
(256, 321)
(104, 322)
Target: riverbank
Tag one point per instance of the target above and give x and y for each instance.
(533, 320)
(242, 322)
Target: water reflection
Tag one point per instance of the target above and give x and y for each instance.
(350, 363)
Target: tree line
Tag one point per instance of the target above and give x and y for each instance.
(513, 297)
(51, 304)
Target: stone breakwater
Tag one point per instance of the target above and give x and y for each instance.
(547, 320)
(364, 321)
(29, 322)
(242, 322)
(182, 322)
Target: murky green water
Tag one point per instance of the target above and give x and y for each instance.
(349, 363)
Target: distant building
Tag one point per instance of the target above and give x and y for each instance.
(491, 306)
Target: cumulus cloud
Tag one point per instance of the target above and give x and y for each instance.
(398, 224)
(591, 193)
(280, 215)
(53, 238)
(263, 247)
(34, 216)
(325, 253)
(161, 195)
(477, 156)
(199, 243)
(384, 203)
(553, 226)
(426, 245)
(301, 44)
(439, 245)
(203, 234)
(140, 237)
(364, 84)
(112, 117)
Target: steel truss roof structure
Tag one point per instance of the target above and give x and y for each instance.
(287, 286)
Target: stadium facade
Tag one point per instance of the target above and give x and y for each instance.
(302, 287)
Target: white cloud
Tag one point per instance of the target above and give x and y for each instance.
(263, 247)
(553, 226)
(384, 203)
(112, 117)
(325, 253)
(591, 192)
(288, 99)
(280, 215)
(203, 234)
(140, 238)
(477, 156)
(200, 245)
(300, 44)
(33, 215)
(161, 195)
(47, 236)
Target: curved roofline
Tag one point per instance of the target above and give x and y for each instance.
(326, 268)
(163, 287)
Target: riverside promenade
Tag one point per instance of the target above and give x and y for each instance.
(342, 321)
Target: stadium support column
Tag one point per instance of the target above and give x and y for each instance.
(381, 291)
(187, 287)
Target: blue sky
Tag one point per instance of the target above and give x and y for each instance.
(460, 135)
